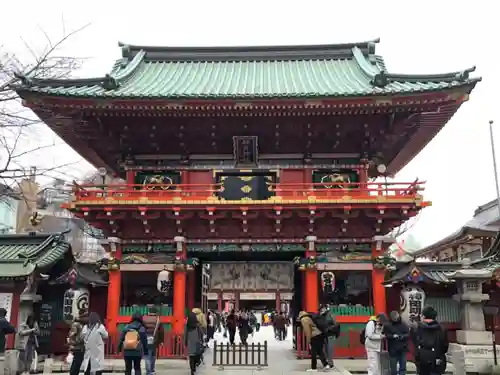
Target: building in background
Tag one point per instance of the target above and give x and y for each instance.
(470, 241)
(10, 201)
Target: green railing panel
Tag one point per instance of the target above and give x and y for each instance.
(129, 310)
(167, 327)
(344, 340)
(165, 310)
(352, 310)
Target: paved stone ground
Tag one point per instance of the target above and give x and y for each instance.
(281, 361)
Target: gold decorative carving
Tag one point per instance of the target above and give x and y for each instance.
(246, 189)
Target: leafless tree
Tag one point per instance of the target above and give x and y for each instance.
(23, 138)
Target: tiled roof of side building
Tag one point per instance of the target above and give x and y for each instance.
(21, 254)
(312, 71)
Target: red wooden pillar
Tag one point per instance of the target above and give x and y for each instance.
(278, 302)
(378, 277)
(220, 302)
(191, 288)
(236, 301)
(179, 287)
(130, 177)
(114, 290)
(14, 312)
(311, 278)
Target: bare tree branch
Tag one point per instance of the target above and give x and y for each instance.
(24, 139)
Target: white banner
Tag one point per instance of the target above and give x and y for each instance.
(6, 303)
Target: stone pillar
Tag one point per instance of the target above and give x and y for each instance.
(179, 299)
(473, 339)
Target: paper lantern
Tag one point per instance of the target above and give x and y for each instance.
(164, 281)
(412, 303)
(74, 301)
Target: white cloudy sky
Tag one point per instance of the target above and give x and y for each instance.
(416, 37)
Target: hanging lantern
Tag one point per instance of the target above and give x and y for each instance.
(164, 280)
(74, 301)
(328, 282)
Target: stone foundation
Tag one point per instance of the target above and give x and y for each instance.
(478, 358)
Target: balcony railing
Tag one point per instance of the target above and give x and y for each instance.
(193, 193)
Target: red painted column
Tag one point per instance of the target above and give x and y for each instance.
(311, 276)
(179, 288)
(114, 291)
(378, 277)
(278, 302)
(14, 312)
(191, 289)
(130, 177)
(236, 300)
(220, 302)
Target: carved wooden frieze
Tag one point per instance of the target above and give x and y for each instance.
(252, 276)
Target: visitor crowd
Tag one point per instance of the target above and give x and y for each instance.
(429, 338)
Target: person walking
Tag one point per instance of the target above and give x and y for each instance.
(280, 326)
(373, 343)
(431, 344)
(397, 334)
(231, 321)
(155, 334)
(94, 334)
(332, 332)
(6, 328)
(315, 339)
(193, 341)
(244, 328)
(27, 343)
(134, 342)
(75, 341)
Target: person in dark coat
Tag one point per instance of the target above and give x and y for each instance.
(133, 355)
(244, 328)
(5, 329)
(397, 334)
(231, 322)
(431, 344)
(280, 326)
(193, 340)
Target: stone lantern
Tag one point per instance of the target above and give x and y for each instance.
(472, 339)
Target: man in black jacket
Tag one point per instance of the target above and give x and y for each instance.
(431, 344)
(397, 334)
(5, 329)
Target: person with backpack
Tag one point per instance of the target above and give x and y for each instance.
(398, 335)
(280, 326)
(75, 341)
(314, 328)
(332, 332)
(431, 344)
(155, 333)
(134, 342)
(193, 341)
(372, 337)
(231, 323)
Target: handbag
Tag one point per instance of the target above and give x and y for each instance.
(151, 339)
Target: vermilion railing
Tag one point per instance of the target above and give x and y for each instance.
(296, 191)
(172, 347)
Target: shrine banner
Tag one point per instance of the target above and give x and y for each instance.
(412, 303)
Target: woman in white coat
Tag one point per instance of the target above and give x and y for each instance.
(94, 334)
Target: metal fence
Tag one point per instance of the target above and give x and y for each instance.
(251, 355)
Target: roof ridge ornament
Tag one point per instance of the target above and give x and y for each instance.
(380, 79)
(109, 82)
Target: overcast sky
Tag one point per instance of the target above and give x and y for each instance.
(416, 37)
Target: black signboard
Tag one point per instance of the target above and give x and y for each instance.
(45, 324)
(245, 186)
(245, 151)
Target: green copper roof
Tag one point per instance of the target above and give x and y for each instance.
(21, 254)
(314, 71)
